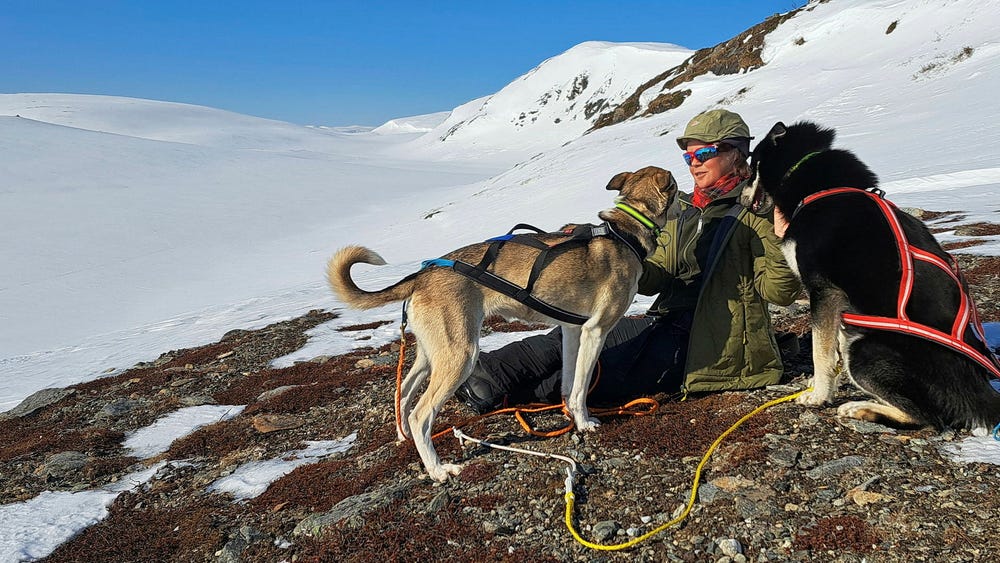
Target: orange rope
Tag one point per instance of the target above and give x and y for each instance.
(642, 406)
(399, 377)
(520, 411)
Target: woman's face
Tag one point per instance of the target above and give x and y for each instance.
(707, 173)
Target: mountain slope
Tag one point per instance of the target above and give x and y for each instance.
(556, 101)
(166, 121)
(893, 98)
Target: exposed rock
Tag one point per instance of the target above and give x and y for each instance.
(865, 427)
(275, 392)
(265, 423)
(739, 54)
(729, 546)
(62, 464)
(351, 510)
(731, 484)
(234, 548)
(605, 530)
(119, 407)
(784, 457)
(37, 400)
(836, 467)
(197, 400)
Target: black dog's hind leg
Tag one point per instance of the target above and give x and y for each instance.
(877, 369)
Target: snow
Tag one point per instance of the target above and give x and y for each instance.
(134, 227)
(413, 124)
(975, 449)
(252, 479)
(33, 529)
(157, 437)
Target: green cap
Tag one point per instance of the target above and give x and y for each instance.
(713, 126)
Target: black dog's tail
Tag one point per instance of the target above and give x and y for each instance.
(988, 415)
(966, 399)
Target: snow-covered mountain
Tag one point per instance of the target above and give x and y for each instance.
(414, 124)
(143, 225)
(558, 100)
(164, 121)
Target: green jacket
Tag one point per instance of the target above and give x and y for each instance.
(731, 342)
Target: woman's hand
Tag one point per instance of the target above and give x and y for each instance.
(780, 223)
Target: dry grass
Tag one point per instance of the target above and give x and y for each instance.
(22, 439)
(951, 246)
(309, 487)
(320, 486)
(396, 534)
(687, 428)
(140, 381)
(135, 532)
(201, 355)
(839, 533)
(215, 440)
(981, 229)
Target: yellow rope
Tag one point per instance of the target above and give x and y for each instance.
(570, 498)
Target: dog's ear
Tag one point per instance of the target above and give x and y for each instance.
(618, 182)
(665, 180)
(777, 131)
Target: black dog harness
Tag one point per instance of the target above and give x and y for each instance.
(577, 236)
(966, 316)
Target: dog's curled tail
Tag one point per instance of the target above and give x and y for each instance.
(338, 274)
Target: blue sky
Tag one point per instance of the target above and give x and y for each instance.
(328, 63)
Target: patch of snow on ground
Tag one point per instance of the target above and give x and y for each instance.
(35, 528)
(975, 449)
(251, 479)
(157, 437)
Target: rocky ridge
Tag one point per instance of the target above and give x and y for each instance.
(792, 484)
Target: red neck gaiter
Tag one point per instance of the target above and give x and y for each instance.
(721, 187)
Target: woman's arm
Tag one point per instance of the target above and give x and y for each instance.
(774, 280)
(655, 272)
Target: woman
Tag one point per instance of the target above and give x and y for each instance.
(716, 267)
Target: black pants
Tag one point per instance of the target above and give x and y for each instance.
(640, 357)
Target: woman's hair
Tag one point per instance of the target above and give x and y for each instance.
(736, 159)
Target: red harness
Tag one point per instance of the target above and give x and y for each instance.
(966, 316)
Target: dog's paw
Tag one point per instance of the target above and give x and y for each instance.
(588, 424)
(443, 471)
(861, 410)
(813, 398)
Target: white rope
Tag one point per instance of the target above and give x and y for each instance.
(570, 471)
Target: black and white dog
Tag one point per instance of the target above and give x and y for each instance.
(886, 299)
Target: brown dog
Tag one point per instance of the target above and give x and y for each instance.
(598, 280)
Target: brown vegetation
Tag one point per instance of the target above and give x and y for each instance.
(839, 533)
(739, 54)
